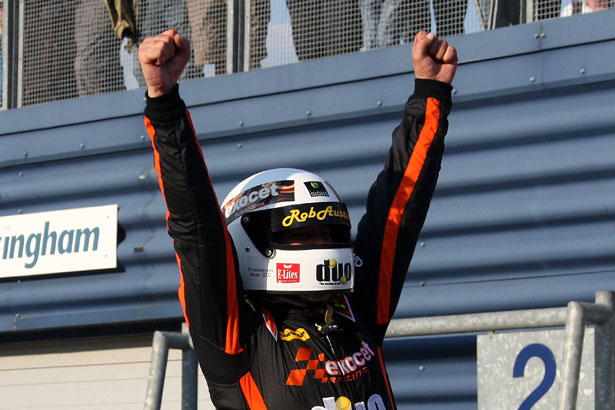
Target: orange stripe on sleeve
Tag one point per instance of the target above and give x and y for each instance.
(151, 131)
(181, 292)
(400, 201)
(252, 393)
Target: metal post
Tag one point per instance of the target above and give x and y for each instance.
(190, 365)
(529, 10)
(162, 342)
(235, 36)
(575, 329)
(605, 353)
(189, 380)
(579, 314)
(246, 48)
(12, 41)
(19, 53)
(157, 371)
(231, 35)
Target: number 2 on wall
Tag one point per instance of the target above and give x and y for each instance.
(546, 355)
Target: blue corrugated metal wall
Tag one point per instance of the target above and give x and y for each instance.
(523, 216)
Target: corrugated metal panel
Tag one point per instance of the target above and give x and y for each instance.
(523, 215)
(88, 374)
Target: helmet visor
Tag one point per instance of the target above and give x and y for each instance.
(327, 220)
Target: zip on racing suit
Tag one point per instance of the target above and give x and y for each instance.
(281, 356)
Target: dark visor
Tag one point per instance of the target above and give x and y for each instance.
(261, 226)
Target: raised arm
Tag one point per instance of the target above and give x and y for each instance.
(210, 289)
(398, 201)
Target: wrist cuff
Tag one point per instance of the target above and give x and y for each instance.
(432, 88)
(167, 107)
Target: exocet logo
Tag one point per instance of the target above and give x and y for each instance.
(374, 402)
(288, 273)
(333, 371)
(330, 271)
(250, 197)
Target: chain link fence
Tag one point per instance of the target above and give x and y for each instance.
(60, 49)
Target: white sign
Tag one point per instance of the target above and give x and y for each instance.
(72, 240)
(524, 370)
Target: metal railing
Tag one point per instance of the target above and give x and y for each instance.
(162, 342)
(575, 317)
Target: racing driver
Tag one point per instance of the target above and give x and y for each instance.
(285, 310)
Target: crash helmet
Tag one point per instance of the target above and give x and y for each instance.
(291, 232)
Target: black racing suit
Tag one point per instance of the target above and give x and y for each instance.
(276, 356)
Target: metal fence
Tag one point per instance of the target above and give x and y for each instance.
(575, 317)
(59, 49)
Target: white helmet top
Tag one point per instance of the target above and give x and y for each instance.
(266, 206)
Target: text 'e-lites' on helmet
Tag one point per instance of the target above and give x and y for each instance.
(266, 209)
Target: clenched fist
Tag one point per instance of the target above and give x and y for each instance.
(433, 59)
(163, 58)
